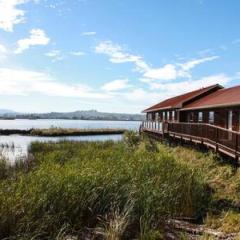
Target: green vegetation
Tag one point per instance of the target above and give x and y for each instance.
(115, 190)
(55, 131)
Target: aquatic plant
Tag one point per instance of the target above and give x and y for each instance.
(105, 188)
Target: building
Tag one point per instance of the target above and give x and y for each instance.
(214, 105)
(208, 116)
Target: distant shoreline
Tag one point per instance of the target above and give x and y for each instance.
(110, 120)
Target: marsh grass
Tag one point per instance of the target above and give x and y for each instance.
(223, 179)
(116, 190)
(57, 131)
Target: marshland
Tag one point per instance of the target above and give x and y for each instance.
(125, 189)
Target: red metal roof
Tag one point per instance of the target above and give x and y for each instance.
(221, 98)
(177, 102)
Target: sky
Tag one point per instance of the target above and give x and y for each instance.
(114, 55)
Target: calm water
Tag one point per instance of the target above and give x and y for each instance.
(15, 146)
(27, 124)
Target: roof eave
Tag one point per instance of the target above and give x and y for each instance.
(211, 106)
(180, 105)
(158, 109)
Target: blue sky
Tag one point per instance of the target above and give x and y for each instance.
(113, 56)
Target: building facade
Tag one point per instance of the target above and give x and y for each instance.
(213, 105)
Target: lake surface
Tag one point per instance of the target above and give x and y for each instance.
(27, 124)
(15, 147)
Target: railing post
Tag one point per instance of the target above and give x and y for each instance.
(236, 146)
(217, 136)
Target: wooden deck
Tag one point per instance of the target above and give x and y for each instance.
(220, 139)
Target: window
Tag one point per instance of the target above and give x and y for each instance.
(163, 116)
(149, 116)
(168, 115)
(190, 117)
(173, 115)
(230, 120)
(211, 117)
(157, 116)
(200, 116)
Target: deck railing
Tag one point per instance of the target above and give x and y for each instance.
(153, 125)
(217, 136)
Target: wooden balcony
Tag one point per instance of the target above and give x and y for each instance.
(220, 139)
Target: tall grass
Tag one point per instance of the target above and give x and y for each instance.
(110, 190)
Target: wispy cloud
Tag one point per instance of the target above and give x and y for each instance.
(77, 53)
(10, 14)
(117, 54)
(193, 63)
(25, 82)
(116, 85)
(89, 33)
(55, 55)
(174, 88)
(3, 52)
(3, 49)
(37, 37)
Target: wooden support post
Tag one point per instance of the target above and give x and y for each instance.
(236, 147)
(217, 136)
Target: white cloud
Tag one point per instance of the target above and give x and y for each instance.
(55, 55)
(25, 82)
(176, 88)
(173, 71)
(37, 37)
(77, 53)
(116, 85)
(10, 14)
(3, 51)
(191, 64)
(89, 33)
(22, 82)
(117, 54)
(167, 72)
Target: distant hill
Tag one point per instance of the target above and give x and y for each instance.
(7, 111)
(77, 115)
